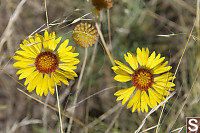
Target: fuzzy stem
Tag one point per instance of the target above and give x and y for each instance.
(44, 118)
(109, 31)
(78, 90)
(59, 110)
(45, 4)
(104, 44)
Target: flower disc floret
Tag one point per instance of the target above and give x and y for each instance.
(142, 79)
(46, 62)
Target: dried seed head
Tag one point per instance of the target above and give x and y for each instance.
(99, 4)
(84, 34)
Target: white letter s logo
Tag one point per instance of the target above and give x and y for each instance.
(194, 124)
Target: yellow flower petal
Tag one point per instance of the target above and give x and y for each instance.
(131, 60)
(22, 58)
(157, 97)
(45, 84)
(162, 91)
(34, 82)
(138, 106)
(126, 95)
(161, 68)
(70, 62)
(31, 77)
(151, 98)
(122, 78)
(145, 56)
(164, 84)
(32, 47)
(66, 68)
(162, 87)
(164, 77)
(143, 101)
(23, 64)
(39, 82)
(31, 86)
(46, 40)
(151, 63)
(65, 55)
(62, 78)
(38, 40)
(123, 91)
(151, 60)
(134, 99)
(139, 56)
(142, 56)
(52, 45)
(124, 67)
(55, 78)
(63, 46)
(25, 72)
(118, 70)
(26, 54)
(53, 42)
(51, 84)
(68, 75)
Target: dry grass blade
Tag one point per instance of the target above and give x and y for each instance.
(113, 121)
(9, 29)
(181, 108)
(78, 90)
(178, 129)
(104, 44)
(105, 115)
(148, 129)
(153, 110)
(157, 129)
(59, 110)
(54, 108)
(24, 122)
(166, 27)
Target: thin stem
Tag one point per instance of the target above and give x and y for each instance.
(59, 110)
(104, 44)
(52, 107)
(87, 105)
(113, 121)
(45, 4)
(44, 118)
(78, 90)
(197, 23)
(158, 127)
(109, 31)
(89, 70)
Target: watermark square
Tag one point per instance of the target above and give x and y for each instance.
(192, 124)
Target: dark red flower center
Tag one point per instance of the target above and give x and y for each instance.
(143, 79)
(46, 62)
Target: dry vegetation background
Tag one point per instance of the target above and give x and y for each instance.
(134, 23)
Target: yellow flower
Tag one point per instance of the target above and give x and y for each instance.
(150, 79)
(44, 65)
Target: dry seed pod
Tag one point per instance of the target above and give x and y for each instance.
(84, 34)
(99, 4)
